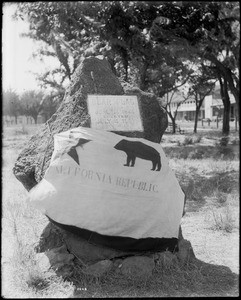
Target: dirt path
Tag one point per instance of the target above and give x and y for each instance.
(211, 246)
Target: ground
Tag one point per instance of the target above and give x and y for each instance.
(208, 172)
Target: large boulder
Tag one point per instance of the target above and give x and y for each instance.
(93, 76)
(154, 118)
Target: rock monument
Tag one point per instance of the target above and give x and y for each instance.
(93, 76)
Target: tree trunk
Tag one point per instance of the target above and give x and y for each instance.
(173, 126)
(112, 64)
(196, 113)
(16, 119)
(173, 123)
(125, 64)
(46, 116)
(126, 72)
(143, 77)
(35, 119)
(198, 107)
(234, 90)
(226, 117)
(173, 119)
(226, 110)
(226, 104)
(238, 106)
(196, 120)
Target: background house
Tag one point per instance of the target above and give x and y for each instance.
(215, 106)
(211, 108)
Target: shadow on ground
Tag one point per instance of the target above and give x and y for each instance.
(197, 188)
(195, 280)
(217, 280)
(197, 151)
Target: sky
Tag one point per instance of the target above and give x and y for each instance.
(17, 63)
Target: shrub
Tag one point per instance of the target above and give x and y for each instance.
(223, 182)
(183, 154)
(193, 190)
(196, 154)
(224, 152)
(198, 139)
(220, 197)
(223, 221)
(187, 141)
(224, 141)
(235, 142)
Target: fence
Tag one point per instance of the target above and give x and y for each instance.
(21, 120)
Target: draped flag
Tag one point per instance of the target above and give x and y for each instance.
(112, 190)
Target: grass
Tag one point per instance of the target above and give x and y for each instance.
(188, 140)
(211, 183)
(22, 130)
(31, 279)
(223, 221)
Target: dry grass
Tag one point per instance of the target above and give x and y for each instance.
(211, 224)
(223, 221)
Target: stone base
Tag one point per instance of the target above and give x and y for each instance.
(185, 254)
(61, 250)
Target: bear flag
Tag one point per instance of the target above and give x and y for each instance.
(111, 190)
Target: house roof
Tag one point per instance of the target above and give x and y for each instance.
(177, 97)
(219, 102)
(216, 98)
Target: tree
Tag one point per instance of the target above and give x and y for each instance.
(127, 32)
(117, 30)
(32, 104)
(172, 87)
(142, 38)
(207, 30)
(11, 104)
(228, 58)
(170, 98)
(226, 103)
(201, 85)
(66, 29)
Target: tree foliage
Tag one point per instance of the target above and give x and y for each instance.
(208, 31)
(64, 27)
(147, 42)
(175, 96)
(11, 104)
(32, 104)
(117, 30)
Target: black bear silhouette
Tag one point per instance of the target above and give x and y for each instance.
(135, 149)
(72, 151)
